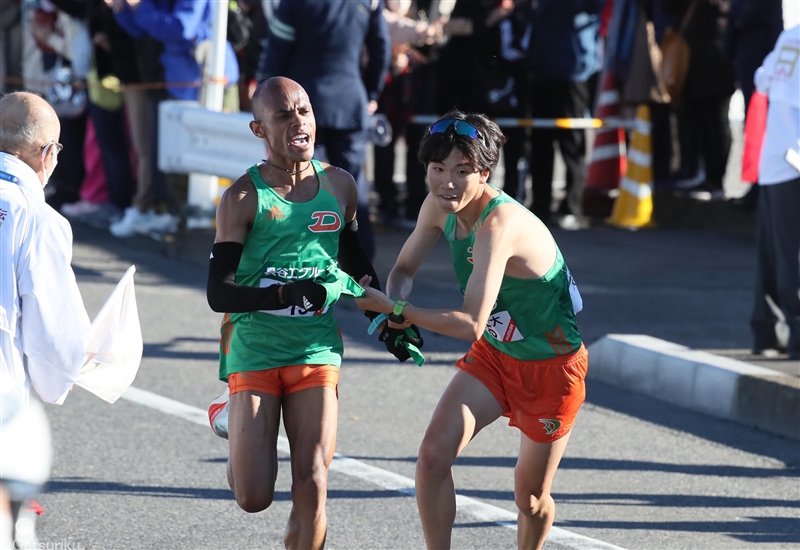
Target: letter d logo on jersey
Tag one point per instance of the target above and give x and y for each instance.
(325, 222)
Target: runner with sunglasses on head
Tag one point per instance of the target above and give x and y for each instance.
(527, 361)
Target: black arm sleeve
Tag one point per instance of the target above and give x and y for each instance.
(353, 258)
(224, 295)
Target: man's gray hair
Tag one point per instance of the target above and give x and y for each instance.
(18, 134)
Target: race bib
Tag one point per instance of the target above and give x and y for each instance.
(502, 327)
(291, 311)
(577, 301)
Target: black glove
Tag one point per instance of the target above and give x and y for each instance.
(389, 336)
(305, 294)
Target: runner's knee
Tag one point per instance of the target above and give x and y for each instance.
(310, 487)
(433, 459)
(254, 501)
(534, 506)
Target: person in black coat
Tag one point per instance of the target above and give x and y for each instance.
(753, 28)
(320, 45)
(708, 90)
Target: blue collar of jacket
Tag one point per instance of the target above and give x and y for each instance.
(24, 174)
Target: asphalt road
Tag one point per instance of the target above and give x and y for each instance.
(638, 473)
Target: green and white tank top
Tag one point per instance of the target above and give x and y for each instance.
(532, 318)
(289, 241)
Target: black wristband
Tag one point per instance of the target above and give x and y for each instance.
(399, 319)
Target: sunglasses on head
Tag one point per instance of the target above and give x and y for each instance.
(461, 127)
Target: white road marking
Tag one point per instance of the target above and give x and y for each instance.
(378, 476)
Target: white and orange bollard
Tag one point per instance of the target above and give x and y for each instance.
(608, 161)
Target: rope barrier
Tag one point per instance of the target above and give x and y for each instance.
(564, 123)
(82, 85)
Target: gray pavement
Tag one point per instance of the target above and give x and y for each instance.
(638, 473)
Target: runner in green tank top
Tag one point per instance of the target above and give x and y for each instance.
(285, 250)
(527, 361)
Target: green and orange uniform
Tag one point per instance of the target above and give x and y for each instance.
(289, 241)
(531, 356)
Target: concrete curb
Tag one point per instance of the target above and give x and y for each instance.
(700, 381)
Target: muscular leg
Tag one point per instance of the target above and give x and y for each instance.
(310, 418)
(465, 408)
(533, 477)
(253, 422)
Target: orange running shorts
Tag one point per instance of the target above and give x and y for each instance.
(285, 380)
(541, 397)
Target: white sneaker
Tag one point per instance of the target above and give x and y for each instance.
(132, 222)
(218, 414)
(163, 223)
(571, 222)
(79, 209)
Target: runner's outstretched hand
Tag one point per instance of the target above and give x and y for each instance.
(305, 294)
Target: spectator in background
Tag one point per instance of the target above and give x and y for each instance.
(425, 101)
(250, 52)
(397, 102)
(672, 162)
(462, 59)
(10, 45)
(180, 28)
(778, 271)
(319, 44)
(565, 59)
(753, 28)
(403, 29)
(59, 49)
(482, 70)
(111, 54)
(708, 90)
(505, 88)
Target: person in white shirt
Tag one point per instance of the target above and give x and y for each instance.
(44, 327)
(778, 272)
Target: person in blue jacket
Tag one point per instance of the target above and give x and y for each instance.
(319, 44)
(180, 25)
(172, 31)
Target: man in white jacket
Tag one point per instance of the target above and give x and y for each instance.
(44, 327)
(779, 197)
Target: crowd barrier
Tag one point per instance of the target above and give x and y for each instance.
(193, 139)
